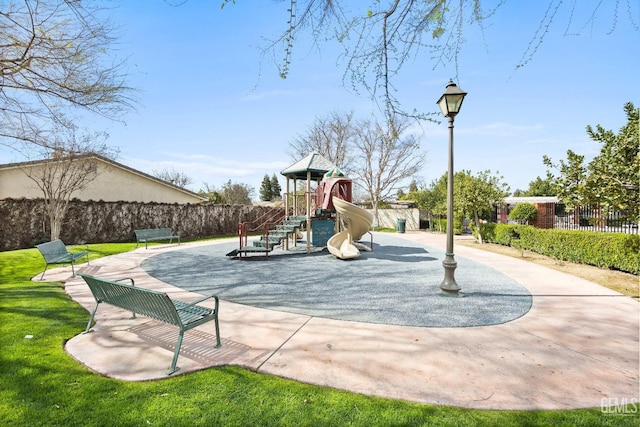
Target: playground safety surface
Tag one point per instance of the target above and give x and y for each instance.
(521, 337)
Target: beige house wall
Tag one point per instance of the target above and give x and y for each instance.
(113, 183)
(389, 218)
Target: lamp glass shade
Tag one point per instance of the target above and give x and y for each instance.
(451, 101)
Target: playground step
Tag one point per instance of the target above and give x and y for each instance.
(275, 237)
(249, 249)
(263, 243)
(296, 221)
(256, 249)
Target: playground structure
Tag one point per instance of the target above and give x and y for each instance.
(344, 244)
(327, 212)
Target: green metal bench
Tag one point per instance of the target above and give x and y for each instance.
(153, 304)
(56, 252)
(152, 234)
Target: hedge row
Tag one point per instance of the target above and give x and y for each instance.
(23, 222)
(615, 251)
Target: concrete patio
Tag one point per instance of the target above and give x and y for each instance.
(576, 345)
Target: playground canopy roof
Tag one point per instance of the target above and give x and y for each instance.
(313, 166)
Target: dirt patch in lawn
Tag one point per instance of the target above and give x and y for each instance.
(625, 283)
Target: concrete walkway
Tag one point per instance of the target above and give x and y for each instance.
(578, 345)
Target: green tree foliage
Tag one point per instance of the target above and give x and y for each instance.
(477, 195)
(571, 179)
(266, 192)
(231, 193)
(234, 193)
(612, 178)
(210, 192)
(523, 212)
(425, 199)
(538, 187)
(270, 188)
(614, 174)
(276, 189)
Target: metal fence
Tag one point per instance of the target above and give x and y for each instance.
(594, 219)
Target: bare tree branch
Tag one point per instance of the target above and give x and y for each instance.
(54, 58)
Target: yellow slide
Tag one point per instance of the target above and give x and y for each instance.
(358, 221)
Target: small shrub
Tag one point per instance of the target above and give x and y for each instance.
(505, 234)
(501, 234)
(524, 213)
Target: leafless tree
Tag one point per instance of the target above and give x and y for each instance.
(54, 59)
(234, 193)
(173, 176)
(211, 193)
(69, 165)
(388, 155)
(332, 136)
(378, 157)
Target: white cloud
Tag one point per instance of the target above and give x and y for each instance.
(212, 170)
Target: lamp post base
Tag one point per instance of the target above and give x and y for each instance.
(449, 287)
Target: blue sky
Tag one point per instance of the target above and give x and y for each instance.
(209, 107)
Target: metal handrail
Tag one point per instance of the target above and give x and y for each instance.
(264, 221)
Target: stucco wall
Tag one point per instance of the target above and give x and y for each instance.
(388, 218)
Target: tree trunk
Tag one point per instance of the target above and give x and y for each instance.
(56, 210)
(477, 219)
(376, 221)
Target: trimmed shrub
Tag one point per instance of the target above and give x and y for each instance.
(524, 213)
(616, 251)
(506, 234)
(501, 234)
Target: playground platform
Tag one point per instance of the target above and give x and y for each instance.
(554, 342)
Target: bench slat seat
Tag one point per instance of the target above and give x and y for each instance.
(153, 304)
(154, 234)
(55, 252)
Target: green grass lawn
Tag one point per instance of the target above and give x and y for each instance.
(42, 385)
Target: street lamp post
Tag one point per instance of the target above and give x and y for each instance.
(450, 103)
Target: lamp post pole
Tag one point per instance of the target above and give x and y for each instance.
(450, 103)
(449, 286)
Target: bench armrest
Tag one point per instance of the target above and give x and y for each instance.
(191, 304)
(133, 283)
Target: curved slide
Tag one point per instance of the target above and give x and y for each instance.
(358, 222)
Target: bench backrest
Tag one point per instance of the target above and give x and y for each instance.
(152, 233)
(147, 302)
(52, 251)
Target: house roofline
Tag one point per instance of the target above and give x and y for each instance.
(108, 161)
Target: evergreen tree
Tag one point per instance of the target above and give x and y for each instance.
(266, 190)
(276, 190)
